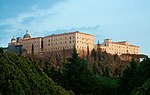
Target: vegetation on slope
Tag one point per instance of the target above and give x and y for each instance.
(135, 77)
(20, 76)
(90, 75)
(93, 77)
(75, 75)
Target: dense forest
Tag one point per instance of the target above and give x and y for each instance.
(22, 76)
(97, 73)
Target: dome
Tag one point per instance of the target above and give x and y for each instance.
(13, 40)
(26, 36)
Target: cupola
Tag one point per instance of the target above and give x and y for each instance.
(26, 36)
(13, 40)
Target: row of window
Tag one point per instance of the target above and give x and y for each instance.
(82, 47)
(55, 39)
(49, 40)
(119, 51)
(82, 42)
(58, 48)
(29, 46)
(52, 43)
(122, 47)
(31, 41)
(66, 47)
(87, 39)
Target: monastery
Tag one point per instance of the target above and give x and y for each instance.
(58, 44)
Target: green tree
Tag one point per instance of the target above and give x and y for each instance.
(106, 72)
(22, 76)
(93, 54)
(144, 90)
(128, 80)
(143, 71)
(74, 72)
(32, 50)
(1, 50)
(78, 78)
(74, 66)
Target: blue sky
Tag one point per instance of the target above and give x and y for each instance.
(116, 19)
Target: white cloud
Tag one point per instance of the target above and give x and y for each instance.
(64, 15)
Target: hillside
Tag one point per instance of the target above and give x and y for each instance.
(21, 76)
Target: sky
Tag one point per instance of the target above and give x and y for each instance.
(120, 20)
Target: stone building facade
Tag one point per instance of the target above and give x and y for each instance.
(118, 48)
(62, 44)
(55, 44)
